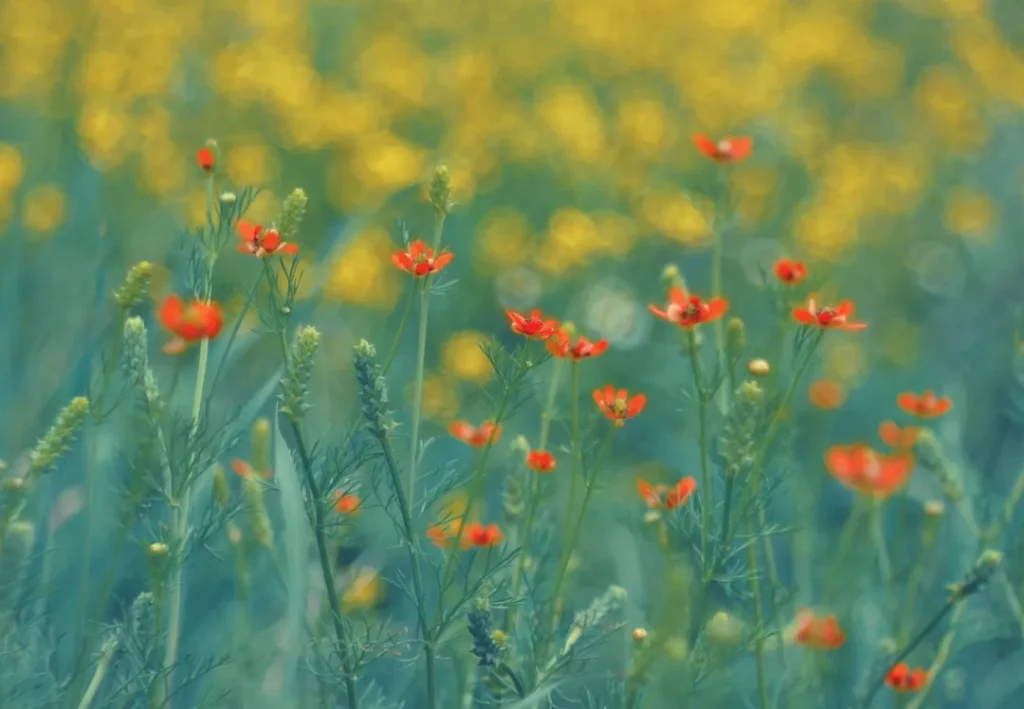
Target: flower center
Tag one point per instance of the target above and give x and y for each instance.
(620, 406)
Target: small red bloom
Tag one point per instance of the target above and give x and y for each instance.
(244, 469)
(205, 159)
(924, 406)
(345, 503)
(688, 311)
(902, 679)
(817, 632)
(560, 345)
(261, 242)
(189, 322)
(616, 404)
(894, 436)
(476, 436)
(728, 149)
(828, 318)
(480, 535)
(535, 327)
(658, 496)
(419, 260)
(867, 471)
(790, 272)
(541, 461)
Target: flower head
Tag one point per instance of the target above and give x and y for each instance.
(540, 461)
(658, 496)
(829, 317)
(790, 272)
(442, 534)
(245, 469)
(924, 406)
(261, 242)
(478, 535)
(205, 159)
(688, 311)
(560, 345)
(189, 322)
(419, 259)
(900, 438)
(534, 327)
(816, 632)
(617, 405)
(476, 436)
(728, 149)
(826, 394)
(345, 503)
(903, 679)
(864, 470)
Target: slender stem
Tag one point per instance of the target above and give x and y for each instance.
(705, 475)
(250, 295)
(577, 473)
(417, 403)
(398, 334)
(884, 564)
(755, 587)
(98, 676)
(941, 657)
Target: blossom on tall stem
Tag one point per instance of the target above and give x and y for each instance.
(865, 470)
(895, 436)
(816, 632)
(903, 679)
(561, 345)
(789, 272)
(658, 496)
(924, 406)
(419, 259)
(688, 311)
(540, 461)
(478, 535)
(476, 436)
(205, 159)
(261, 242)
(189, 322)
(725, 150)
(827, 317)
(616, 404)
(345, 503)
(534, 327)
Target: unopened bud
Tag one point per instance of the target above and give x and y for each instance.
(759, 367)
(639, 634)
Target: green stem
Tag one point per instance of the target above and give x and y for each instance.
(755, 587)
(705, 474)
(577, 473)
(386, 367)
(417, 403)
(234, 331)
(97, 678)
(884, 564)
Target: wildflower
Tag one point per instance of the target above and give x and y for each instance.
(639, 634)
(478, 535)
(728, 149)
(441, 535)
(541, 461)
(205, 159)
(867, 471)
(817, 633)
(790, 272)
(261, 242)
(924, 406)
(560, 345)
(902, 679)
(419, 259)
(759, 367)
(189, 322)
(245, 469)
(364, 591)
(724, 630)
(617, 406)
(535, 327)
(657, 496)
(345, 503)
(894, 436)
(687, 310)
(829, 317)
(476, 436)
(826, 394)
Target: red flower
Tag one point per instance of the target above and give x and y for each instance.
(688, 310)
(728, 149)
(244, 469)
(535, 327)
(189, 322)
(790, 272)
(262, 242)
(560, 345)
(419, 260)
(616, 404)
(205, 159)
(480, 535)
(345, 503)
(471, 435)
(829, 318)
(817, 632)
(902, 679)
(867, 471)
(924, 406)
(900, 438)
(541, 461)
(658, 496)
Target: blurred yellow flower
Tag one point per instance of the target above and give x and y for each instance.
(364, 591)
(102, 128)
(616, 234)
(464, 357)
(824, 234)
(164, 167)
(393, 67)
(42, 210)
(504, 238)
(677, 216)
(643, 126)
(440, 397)
(950, 108)
(249, 164)
(362, 273)
(575, 119)
(384, 162)
(264, 208)
(844, 361)
(901, 342)
(12, 169)
(572, 237)
(969, 213)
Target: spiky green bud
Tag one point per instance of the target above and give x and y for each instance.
(135, 288)
(441, 191)
(295, 385)
(373, 390)
(292, 212)
(58, 439)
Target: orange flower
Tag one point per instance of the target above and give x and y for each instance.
(262, 242)
(817, 633)
(345, 503)
(902, 679)
(657, 496)
(245, 469)
(441, 535)
(189, 322)
(896, 437)
(867, 471)
(924, 406)
(826, 394)
(535, 327)
(419, 260)
(541, 461)
(560, 345)
(688, 310)
(728, 149)
(480, 535)
(829, 318)
(205, 159)
(475, 436)
(790, 272)
(616, 404)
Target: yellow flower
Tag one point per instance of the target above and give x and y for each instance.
(969, 214)
(102, 128)
(950, 108)
(164, 168)
(440, 398)
(43, 209)
(504, 237)
(362, 273)
(385, 162)
(575, 119)
(677, 216)
(464, 357)
(249, 164)
(364, 591)
(844, 361)
(12, 169)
